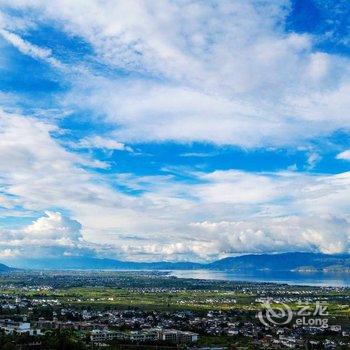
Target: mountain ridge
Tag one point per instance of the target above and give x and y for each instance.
(5, 268)
(292, 261)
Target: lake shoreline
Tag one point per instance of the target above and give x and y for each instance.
(318, 279)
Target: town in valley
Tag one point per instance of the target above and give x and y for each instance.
(154, 310)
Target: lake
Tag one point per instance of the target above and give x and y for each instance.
(289, 277)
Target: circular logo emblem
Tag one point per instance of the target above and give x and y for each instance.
(279, 315)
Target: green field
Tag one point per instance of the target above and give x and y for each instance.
(102, 297)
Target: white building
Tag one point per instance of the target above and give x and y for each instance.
(169, 335)
(100, 336)
(10, 327)
(175, 336)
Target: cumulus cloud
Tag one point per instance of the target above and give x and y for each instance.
(51, 234)
(250, 211)
(54, 226)
(289, 233)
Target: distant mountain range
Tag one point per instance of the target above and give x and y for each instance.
(5, 268)
(302, 262)
(89, 263)
(285, 262)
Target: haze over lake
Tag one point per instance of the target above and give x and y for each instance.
(289, 277)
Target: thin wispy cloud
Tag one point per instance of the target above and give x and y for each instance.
(29, 49)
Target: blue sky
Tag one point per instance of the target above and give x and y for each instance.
(173, 130)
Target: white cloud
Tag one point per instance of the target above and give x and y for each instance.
(9, 253)
(51, 235)
(345, 155)
(54, 226)
(326, 234)
(312, 159)
(30, 49)
(271, 211)
(104, 143)
(226, 74)
(222, 72)
(288, 111)
(198, 154)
